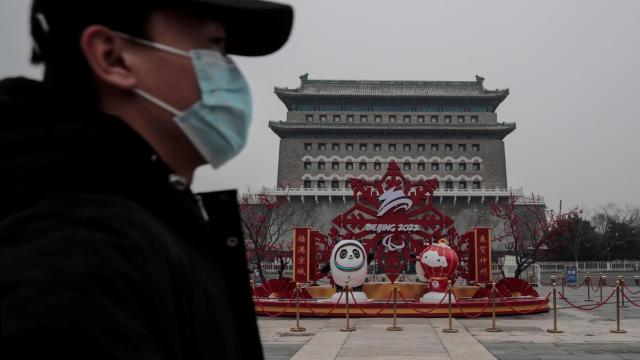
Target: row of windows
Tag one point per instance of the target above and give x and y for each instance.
(434, 119)
(391, 147)
(321, 165)
(335, 184)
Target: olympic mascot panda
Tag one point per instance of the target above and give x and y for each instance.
(348, 262)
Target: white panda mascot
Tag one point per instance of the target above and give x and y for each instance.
(349, 262)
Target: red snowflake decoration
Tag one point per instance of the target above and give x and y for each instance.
(393, 217)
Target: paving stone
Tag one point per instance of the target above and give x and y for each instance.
(280, 349)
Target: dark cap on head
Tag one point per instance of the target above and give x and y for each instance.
(253, 27)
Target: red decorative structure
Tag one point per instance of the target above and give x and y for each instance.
(323, 246)
(508, 288)
(393, 217)
(279, 288)
(511, 287)
(303, 255)
(438, 261)
(479, 255)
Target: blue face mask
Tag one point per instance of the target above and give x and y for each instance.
(218, 124)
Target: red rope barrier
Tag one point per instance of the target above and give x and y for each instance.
(576, 287)
(526, 312)
(631, 291)
(366, 313)
(585, 307)
(597, 287)
(304, 301)
(420, 311)
(281, 312)
(486, 304)
(631, 301)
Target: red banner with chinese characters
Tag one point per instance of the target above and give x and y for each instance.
(302, 255)
(480, 255)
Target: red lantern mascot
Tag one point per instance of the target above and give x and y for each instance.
(436, 263)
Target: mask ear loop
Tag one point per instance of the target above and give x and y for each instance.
(154, 45)
(154, 100)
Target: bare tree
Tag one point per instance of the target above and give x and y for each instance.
(267, 222)
(618, 229)
(530, 232)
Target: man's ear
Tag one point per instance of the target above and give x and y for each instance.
(104, 51)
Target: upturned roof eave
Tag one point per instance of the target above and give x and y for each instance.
(284, 130)
(495, 98)
(295, 93)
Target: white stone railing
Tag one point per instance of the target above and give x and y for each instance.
(378, 177)
(517, 192)
(618, 265)
(440, 194)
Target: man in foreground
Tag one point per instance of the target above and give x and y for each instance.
(104, 251)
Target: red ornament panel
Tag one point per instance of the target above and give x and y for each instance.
(303, 255)
(479, 254)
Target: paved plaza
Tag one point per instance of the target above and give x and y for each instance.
(586, 336)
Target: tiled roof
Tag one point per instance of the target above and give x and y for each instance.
(392, 88)
(286, 128)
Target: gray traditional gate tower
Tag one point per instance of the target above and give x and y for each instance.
(339, 129)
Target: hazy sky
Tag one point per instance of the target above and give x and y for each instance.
(572, 68)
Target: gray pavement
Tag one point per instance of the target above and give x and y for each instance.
(586, 336)
(573, 351)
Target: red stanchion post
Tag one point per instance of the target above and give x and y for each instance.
(346, 293)
(617, 330)
(555, 329)
(450, 329)
(395, 326)
(297, 328)
(588, 282)
(493, 327)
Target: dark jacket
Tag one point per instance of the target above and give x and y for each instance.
(103, 255)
